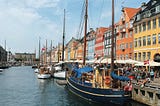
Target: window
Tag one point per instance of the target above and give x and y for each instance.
(159, 21)
(144, 56)
(144, 26)
(135, 29)
(139, 42)
(120, 57)
(135, 56)
(126, 25)
(157, 9)
(159, 38)
(126, 56)
(149, 25)
(130, 33)
(126, 45)
(154, 23)
(139, 56)
(130, 44)
(154, 39)
(135, 42)
(140, 28)
(148, 55)
(148, 40)
(144, 40)
(130, 55)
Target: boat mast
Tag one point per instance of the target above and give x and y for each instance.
(85, 32)
(63, 37)
(46, 53)
(112, 47)
(39, 51)
(51, 54)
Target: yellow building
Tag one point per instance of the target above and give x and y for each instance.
(70, 50)
(147, 31)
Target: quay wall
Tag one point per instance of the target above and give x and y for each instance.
(149, 94)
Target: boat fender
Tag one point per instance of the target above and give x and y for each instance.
(108, 80)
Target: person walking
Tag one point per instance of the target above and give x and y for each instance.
(152, 74)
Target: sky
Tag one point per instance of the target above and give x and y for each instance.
(24, 22)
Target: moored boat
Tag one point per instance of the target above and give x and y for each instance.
(44, 73)
(36, 70)
(59, 71)
(60, 75)
(43, 76)
(89, 84)
(1, 70)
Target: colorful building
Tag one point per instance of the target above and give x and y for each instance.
(99, 42)
(70, 50)
(147, 31)
(90, 44)
(124, 39)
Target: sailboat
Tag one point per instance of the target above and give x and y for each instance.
(44, 71)
(60, 73)
(97, 85)
(36, 70)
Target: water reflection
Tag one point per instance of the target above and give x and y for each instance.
(21, 87)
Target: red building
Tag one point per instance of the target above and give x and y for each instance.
(124, 43)
(99, 42)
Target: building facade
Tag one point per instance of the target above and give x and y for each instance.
(70, 49)
(147, 31)
(99, 42)
(90, 44)
(124, 41)
(27, 58)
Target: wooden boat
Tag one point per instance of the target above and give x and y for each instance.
(97, 85)
(44, 73)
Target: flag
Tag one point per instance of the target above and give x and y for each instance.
(43, 48)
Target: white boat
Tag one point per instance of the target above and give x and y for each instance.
(60, 75)
(1, 70)
(43, 76)
(43, 73)
(58, 66)
(36, 70)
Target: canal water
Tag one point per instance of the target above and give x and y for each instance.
(19, 86)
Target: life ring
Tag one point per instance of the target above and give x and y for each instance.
(107, 80)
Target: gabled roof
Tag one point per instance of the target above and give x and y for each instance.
(130, 12)
(72, 39)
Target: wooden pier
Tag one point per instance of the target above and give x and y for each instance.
(149, 94)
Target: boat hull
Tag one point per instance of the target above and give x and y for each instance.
(97, 94)
(1, 70)
(60, 75)
(43, 76)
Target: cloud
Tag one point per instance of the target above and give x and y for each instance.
(22, 24)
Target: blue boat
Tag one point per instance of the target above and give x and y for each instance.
(89, 91)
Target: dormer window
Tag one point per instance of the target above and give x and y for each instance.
(154, 1)
(157, 9)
